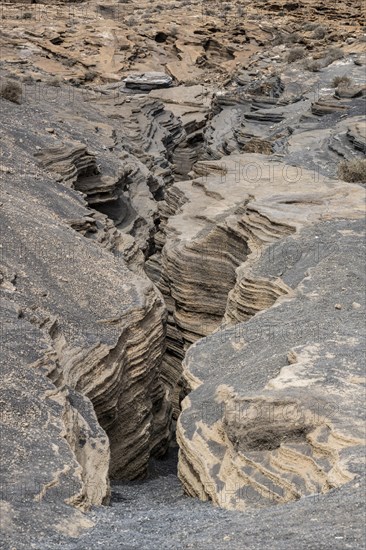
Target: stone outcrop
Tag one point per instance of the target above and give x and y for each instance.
(148, 81)
(206, 43)
(192, 105)
(93, 328)
(186, 245)
(266, 114)
(54, 452)
(218, 224)
(265, 423)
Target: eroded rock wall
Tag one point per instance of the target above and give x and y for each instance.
(94, 321)
(90, 212)
(265, 422)
(53, 450)
(218, 225)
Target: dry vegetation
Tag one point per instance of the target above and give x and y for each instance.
(344, 80)
(12, 91)
(333, 54)
(295, 54)
(353, 171)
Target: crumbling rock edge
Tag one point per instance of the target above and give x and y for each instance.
(127, 150)
(75, 292)
(289, 424)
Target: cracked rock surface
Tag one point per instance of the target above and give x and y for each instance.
(273, 427)
(181, 275)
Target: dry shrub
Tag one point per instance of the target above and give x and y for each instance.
(333, 55)
(313, 65)
(319, 33)
(310, 26)
(337, 80)
(55, 82)
(353, 171)
(89, 76)
(12, 91)
(295, 54)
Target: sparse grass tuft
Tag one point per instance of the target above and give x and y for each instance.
(319, 33)
(293, 38)
(337, 80)
(295, 54)
(334, 54)
(313, 65)
(287, 38)
(28, 78)
(310, 26)
(55, 82)
(90, 75)
(353, 171)
(131, 22)
(69, 62)
(12, 91)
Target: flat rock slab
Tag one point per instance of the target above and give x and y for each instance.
(148, 81)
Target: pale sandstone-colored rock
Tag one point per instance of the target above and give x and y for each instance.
(147, 81)
(205, 42)
(64, 266)
(217, 228)
(105, 326)
(276, 412)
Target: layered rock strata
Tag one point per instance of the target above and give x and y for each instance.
(260, 426)
(276, 413)
(264, 114)
(54, 451)
(148, 81)
(217, 226)
(96, 326)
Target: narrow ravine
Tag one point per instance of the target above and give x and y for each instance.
(181, 276)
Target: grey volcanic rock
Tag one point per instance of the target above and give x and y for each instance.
(53, 451)
(157, 513)
(104, 192)
(65, 267)
(119, 154)
(265, 115)
(326, 106)
(191, 105)
(356, 134)
(276, 413)
(217, 225)
(148, 81)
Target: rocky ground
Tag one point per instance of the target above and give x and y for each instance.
(182, 242)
